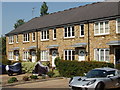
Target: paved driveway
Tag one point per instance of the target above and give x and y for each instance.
(59, 83)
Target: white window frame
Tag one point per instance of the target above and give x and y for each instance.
(44, 55)
(27, 37)
(70, 32)
(104, 33)
(99, 51)
(44, 39)
(11, 39)
(25, 55)
(11, 55)
(68, 54)
(33, 37)
(80, 30)
(54, 33)
(16, 38)
(117, 26)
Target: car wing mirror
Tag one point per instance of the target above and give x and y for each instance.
(85, 74)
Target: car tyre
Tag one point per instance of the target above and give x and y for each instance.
(100, 86)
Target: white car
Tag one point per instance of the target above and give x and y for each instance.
(97, 79)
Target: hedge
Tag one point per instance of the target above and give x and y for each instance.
(76, 68)
(118, 66)
(28, 67)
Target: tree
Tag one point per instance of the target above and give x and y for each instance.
(3, 45)
(44, 9)
(19, 23)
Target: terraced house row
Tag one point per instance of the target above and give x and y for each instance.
(85, 33)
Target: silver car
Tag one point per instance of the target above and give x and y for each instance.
(97, 79)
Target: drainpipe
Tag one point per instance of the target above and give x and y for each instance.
(88, 41)
(37, 44)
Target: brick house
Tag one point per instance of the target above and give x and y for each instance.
(85, 33)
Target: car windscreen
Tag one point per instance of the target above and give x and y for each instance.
(96, 74)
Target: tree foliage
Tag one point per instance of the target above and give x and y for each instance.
(44, 9)
(3, 45)
(19, 23)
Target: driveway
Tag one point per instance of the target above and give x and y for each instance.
(58, 83)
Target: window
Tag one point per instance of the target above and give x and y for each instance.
(11, 39)
(101, 55)
(25, 55)
(16, 38)
(54, 34)
(45, 35)
(101, 28)
(69, 54)
(33, 36)
(10, 56)
(26, 37)
(118, 26)
(81, 30)
(44, 56)
(69, 32)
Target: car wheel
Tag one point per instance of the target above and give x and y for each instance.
(100, 86)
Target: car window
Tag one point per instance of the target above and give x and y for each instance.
(111, 72)
(118, 72)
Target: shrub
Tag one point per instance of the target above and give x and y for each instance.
(25, 78)
(76, 68)
(5, 61)
(50, 73)
(34, 77)
(56, 73)
(12, 80)
(57, 59)
(43, 76)
(28, 67)
(118, 66)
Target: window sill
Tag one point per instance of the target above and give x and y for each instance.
(16, 42)
(26, 41)
(82, 36)
(33, 41)
(10, 43)
(69, 37)
(54, 38)
(44, 39)
(101, 34)
(118, 32)
(11, 59)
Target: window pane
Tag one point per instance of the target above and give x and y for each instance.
(69, 54)
(107, 55)
(68, 31)
(101, 27)
(82, 29)
(102, 55)
(73, 55)
(106, 27)
(42, 35)
(73, 31)
(65, 32)
(96, 28)
(47, 34)
(65, 55)
(54, 33)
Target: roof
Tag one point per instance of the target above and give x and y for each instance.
(78, 14)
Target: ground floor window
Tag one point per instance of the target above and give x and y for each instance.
(25, 55)
(101, 55)
(10, 56)
(44, 56)
(69, 54)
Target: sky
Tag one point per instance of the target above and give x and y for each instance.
(12, 11)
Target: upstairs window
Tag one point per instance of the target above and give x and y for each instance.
(11, 39)
(82, 30)
(16, 38)
(69, 31)
(101, 28)
(101, 55)
(33, 36)
(54, 34)
(45, 35)
(118, 26)
(26, 37)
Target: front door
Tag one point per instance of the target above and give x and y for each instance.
(117, 55)
(81, 55)
(17, 55)
(33, 56)
(54, 55)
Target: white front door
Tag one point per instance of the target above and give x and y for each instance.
(33, 56)
(17, 55)
(54, 55)
(81, 54)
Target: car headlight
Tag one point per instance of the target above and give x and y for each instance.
(71, 79)
(91, 82)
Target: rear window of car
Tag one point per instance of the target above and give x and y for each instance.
(111, 72)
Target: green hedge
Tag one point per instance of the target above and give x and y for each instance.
(28, 67)
(118, 66)
(75, 68)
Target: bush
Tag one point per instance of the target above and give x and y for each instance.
(50, 73)
(56, 73)
(57, 59)
(28, 67)
(118, 66)
(76, 68)
(34, 77)
(25, 78)
(5, 61)
(12, 80)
